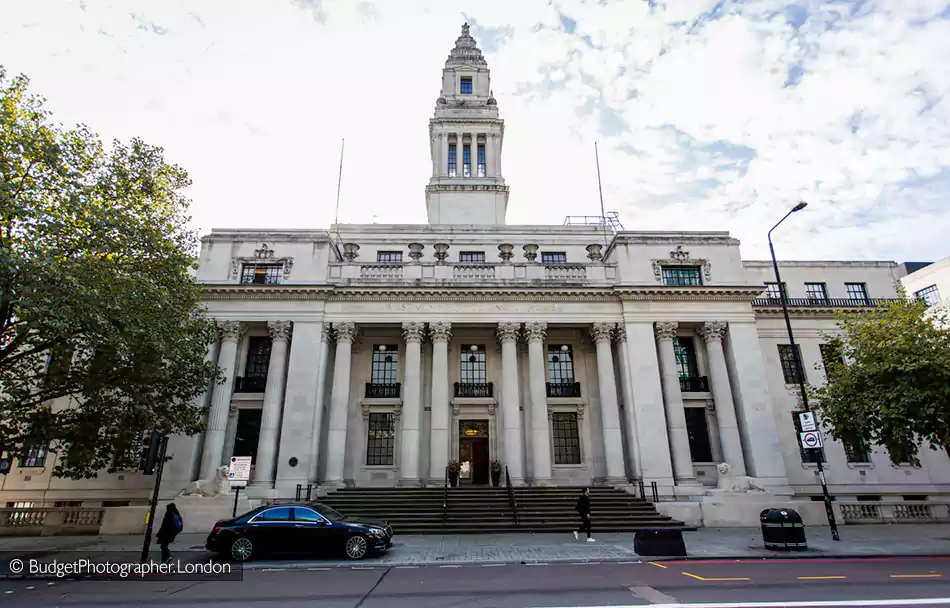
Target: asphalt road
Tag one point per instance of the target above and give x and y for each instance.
(555, 585)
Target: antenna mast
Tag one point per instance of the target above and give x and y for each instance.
(339, 181)
(600, 191)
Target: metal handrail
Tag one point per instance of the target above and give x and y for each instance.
(511, 497)
(445, 497)
(824, 303)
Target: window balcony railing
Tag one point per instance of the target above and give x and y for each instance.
(565, 272)
(474, 271)
(474, 389)
(694, 384)
(828, 302)
(383, 391)
(381, 271)
(250, 384)
(564, 389)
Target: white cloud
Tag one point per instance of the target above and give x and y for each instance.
(687, 99)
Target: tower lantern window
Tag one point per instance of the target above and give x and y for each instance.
(465, 85)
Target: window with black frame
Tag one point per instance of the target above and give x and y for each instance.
(857, 291)
(261, 274)
(473, 380)
(389, 257)
(787, 358)
(697, 431)
(553, 257)
(682, 276)
(930, 295)
(471, 257)
(816, 292)
(774, 292)
(567, 443)
(685, 351)
(258, 357)
(561, 372)
(385, 364)
(380, 439)
(856, 452)
(34, 456)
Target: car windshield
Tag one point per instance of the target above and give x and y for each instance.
(331, 514)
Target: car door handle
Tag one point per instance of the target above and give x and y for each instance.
(298, 525)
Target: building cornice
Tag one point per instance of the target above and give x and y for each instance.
(266, 292)
(448, 294)
(729, 293)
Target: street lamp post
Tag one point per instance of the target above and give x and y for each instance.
(800, 369)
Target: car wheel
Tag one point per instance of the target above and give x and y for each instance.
(242, 549)
(357, 547)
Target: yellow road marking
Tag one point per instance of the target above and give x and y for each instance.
(657, 565)
(702, 578)
(915, 575)
(819, 578)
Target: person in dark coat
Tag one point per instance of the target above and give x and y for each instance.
(172, 525)
(583, 509)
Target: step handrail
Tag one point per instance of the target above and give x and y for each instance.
(445, 497)
(511, 497)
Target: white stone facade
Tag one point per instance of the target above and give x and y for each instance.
(573, 355)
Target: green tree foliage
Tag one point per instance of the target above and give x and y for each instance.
(99, 308)
(890, 386)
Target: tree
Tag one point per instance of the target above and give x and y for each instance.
(99, 307)
(888, 382)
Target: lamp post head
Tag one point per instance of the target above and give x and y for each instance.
(799, 206)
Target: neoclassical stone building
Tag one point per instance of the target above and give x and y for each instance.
(373, 355)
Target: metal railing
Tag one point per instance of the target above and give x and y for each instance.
(563, 389)
(512, 501)
(824, 303)
(654, 490)
(694, 384)
(445, 498)
(382, 391)
(300, 492)
(250, 384)
(474, 389)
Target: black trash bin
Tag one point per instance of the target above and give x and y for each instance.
(782, 529)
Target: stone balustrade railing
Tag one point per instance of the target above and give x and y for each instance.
(897, 512)
(473, 271)
(50, 521)
(416, 272)
(381, 271)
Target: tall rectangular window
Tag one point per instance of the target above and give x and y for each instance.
(389, 257)
(856, 452)
(787, 358)
(472, 364)
(773, 292)
(380, 440)
(685, 352)
(697, 430)
(857, 291)
(816, 292)
(465, 85)
(567, 442)
(385, 364)
(452, 160)
(481, 160)
(812, 455)
(471, 257)
(258, 357)
(560, 365)
(682, 276)
(35, 456)
(467, 160)
(930, 295)
(553, 257)
(261, 274)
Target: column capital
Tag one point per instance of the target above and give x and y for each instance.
(413, 332)
(602, 332)
(344, 332)
(665, 330)
(326, 334)
(440, 331)
(713, 330)
(535, 332)
(280, 330)
(231, 331)
(508, 332)
(621, 336)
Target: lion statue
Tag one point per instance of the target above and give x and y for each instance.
(209, 488)
(736, 483)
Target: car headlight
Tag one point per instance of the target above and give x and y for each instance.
(377, 532)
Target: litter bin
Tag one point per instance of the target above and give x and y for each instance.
(782, 529)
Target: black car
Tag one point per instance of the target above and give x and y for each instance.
(301, 528)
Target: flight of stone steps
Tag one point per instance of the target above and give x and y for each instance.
(487, 510)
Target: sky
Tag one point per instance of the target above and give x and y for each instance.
(707, 114)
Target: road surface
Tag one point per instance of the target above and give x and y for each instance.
(877, 582)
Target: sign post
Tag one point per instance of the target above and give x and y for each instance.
(807, 421)
(239, 471)
(811, 440)
(159, 459)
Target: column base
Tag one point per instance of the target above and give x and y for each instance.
(334, 484)
(541, 483)
(616, 481)
(517, 482)
(409, 483)
(692, 489)
(435, 483)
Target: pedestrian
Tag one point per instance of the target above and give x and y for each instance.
(583, 509)
(172, 525)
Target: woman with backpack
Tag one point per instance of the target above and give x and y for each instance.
(172, 525)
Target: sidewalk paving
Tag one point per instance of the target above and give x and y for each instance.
(705, 543)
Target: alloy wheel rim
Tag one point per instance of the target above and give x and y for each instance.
(241, 549)
(356, 547)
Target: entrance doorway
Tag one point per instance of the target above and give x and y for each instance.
(474, 451)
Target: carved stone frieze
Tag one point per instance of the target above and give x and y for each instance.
(665, 330)
(344, 332)
(602, 332)
(280, 330)
(440, 331)
(713, 330)
(535, 331)
(413, 332)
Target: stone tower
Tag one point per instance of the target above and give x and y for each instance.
(465, 139)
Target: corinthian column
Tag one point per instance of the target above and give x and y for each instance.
(673, 402)
(411, 405)
(273, 400)
(510, 405)
(540, 436)
(633, 442)
(213, 452)
(322, 358)
(344, 333)
(440, 334)
(729, 438)
(602, 333)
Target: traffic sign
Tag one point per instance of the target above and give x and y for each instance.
(811, 439)
(807, 420)
(239, 471)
